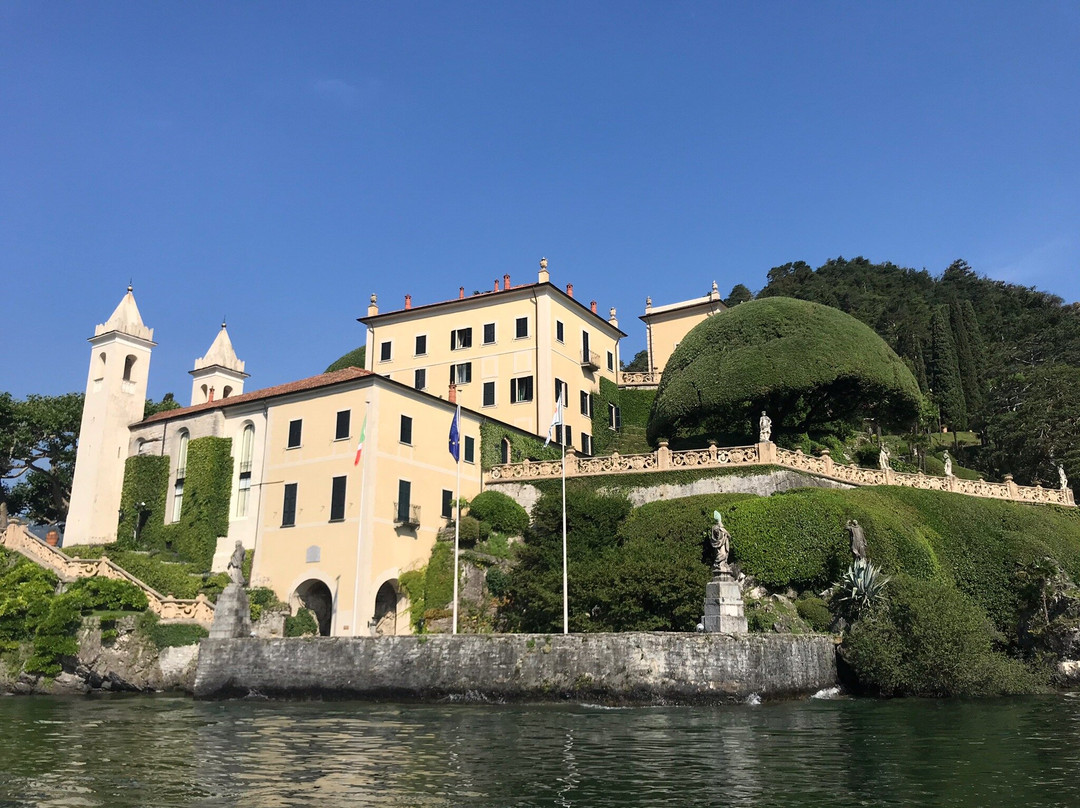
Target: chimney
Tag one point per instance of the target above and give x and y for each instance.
(570, 289)
(373, 306)
(496, 285)
(211, 398)
(612, 318)
(461, 293)
(408, 302)
(452, 395)
(544, 276)
(592, 306)
(506, 281)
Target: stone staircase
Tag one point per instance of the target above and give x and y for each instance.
(173, 610)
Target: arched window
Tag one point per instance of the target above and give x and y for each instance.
(243, 489)
(504, 450)
(99, 372)
(181, 472)
(226, 392)
(205, 392)
(129, 363)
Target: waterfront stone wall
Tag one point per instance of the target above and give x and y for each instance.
(632, 667)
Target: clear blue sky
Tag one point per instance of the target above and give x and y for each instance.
(277, 163)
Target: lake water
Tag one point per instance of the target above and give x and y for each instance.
(172, 751)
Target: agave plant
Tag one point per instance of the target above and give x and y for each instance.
(862, 587)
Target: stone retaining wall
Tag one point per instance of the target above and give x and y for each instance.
(632, 667)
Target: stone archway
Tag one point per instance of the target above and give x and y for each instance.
(315, 596)
(386, 600)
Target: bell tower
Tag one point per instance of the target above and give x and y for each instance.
(219, 374)
(115, 397)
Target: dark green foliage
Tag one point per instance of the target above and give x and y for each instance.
(168, 402)
(142, 503)
(353, 359)
(634, 408)
(54, 637)
(301, 624)
(931, 640)
(26, 593)
(38, 436)
(522, 445)
(439, 577)
(471, 530)
(105, 594)
(498, 581)
(169, 635)
(815, 612)
(969, 354)
(261, 598)
(207, 488)
(809, 366)
(943, 373)
(739, 294)
(639, 364)
(500, 511)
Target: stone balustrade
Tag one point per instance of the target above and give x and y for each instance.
(639, 378)
(769, 454)
(18, 539)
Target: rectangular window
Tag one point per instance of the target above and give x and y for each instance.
(421, 345)
(470, 449)
(586, 404)
(448, 504)
(341, 429)
(489, 394)
(521, 327)
(559, 331)
(489, 333)
(585, 343)
(384, 352)
(178, 499)
(337, 499)
(521, 389)
(288, 506)
(295, 430)
(560, 392)
(406, 430)
(420, 378)
(460, 339)
(614, 417)
(610, 361)
(404, 493)
(243, 493)
(461, 374)
(569, 436)
(586, 444)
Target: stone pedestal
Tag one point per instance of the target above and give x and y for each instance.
(723, 607)
(232, 614)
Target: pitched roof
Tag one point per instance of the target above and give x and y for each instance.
(311, 383)
(221, 353)
(126, 319)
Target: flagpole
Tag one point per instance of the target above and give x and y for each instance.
(457, 521)
(565, 584)
(359, 521)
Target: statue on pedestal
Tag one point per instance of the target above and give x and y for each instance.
(1062, 478)
(948, 464)
(764, 428)
(720, 541)
(858, 538)
(883, 457)
(236, 564)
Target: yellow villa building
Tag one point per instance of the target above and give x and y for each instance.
(333, 528)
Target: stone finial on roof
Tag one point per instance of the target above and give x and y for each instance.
(715, 293)
(126, 319)
(544, 276)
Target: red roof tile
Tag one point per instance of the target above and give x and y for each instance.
(312, 383)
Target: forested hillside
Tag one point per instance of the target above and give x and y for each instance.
(997, 358)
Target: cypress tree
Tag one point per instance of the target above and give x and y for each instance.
(943, 372)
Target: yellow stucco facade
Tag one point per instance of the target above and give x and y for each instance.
(665, 326)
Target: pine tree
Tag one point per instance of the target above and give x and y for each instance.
(943, 372)
(969, 354)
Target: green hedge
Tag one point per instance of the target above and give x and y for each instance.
(522, 445)
(146, 481)
(634, 407)
(500, 511)
(169, 635)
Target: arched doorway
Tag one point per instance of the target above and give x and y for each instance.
(315, 596)
(386, 600)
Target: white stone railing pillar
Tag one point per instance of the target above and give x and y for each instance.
(826, 457)
(663, 456)
(766, 451)
(571, 461)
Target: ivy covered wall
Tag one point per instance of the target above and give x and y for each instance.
(634, 407)
(204, 514)
(522, 446)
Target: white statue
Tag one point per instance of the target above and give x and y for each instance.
(948, 464)
(764, 428)
(1061, 476)
(883, 457)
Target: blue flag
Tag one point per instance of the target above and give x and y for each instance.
(455, 437)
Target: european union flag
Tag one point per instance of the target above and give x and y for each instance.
(455, 437)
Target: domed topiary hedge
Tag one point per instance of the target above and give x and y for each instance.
(806, 364)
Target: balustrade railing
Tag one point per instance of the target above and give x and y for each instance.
(761, 454)
(638, 378)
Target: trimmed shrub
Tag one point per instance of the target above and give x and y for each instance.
(930, 640)
(500, 511)
(814, 611)
(108, 595)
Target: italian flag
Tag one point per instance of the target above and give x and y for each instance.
(360, 444)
